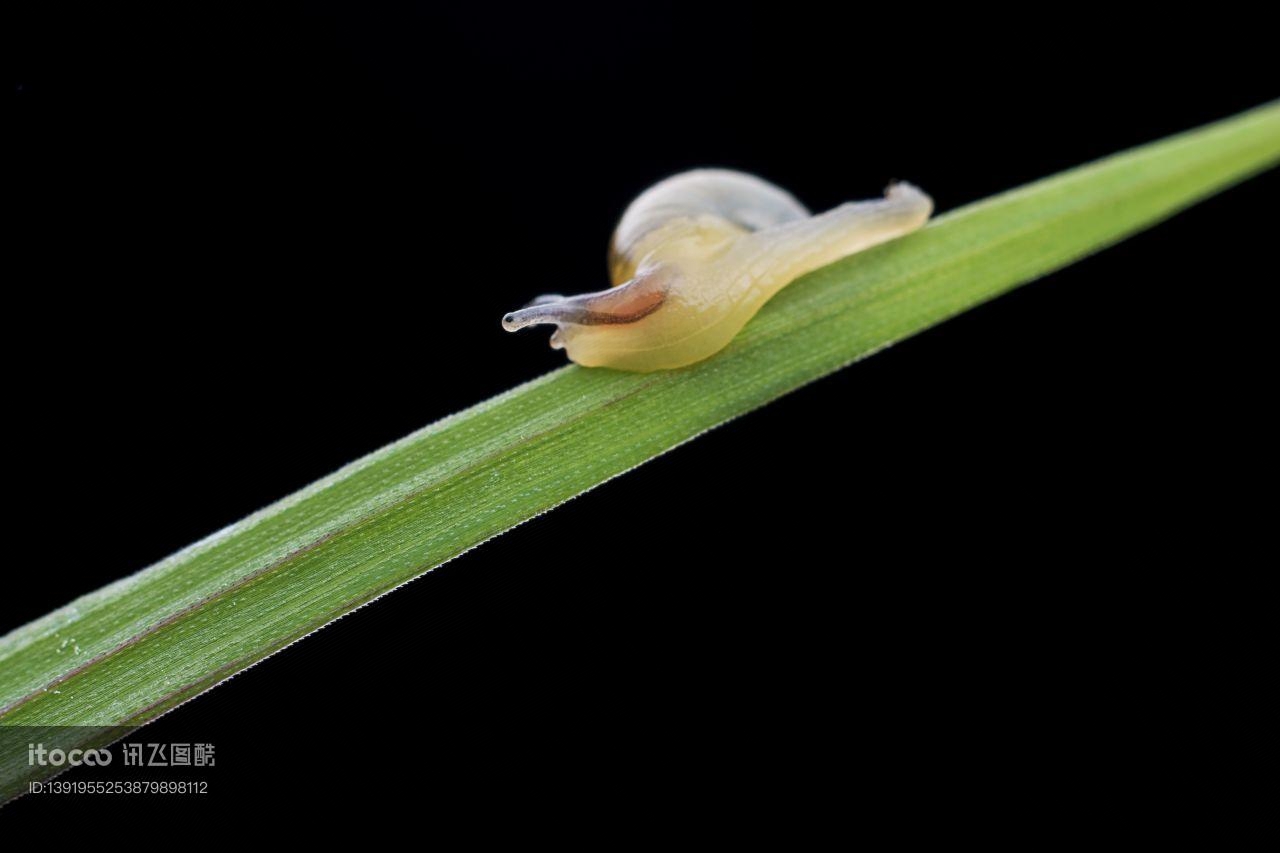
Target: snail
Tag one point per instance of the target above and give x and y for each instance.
(695, 256)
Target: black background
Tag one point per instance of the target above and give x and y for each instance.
(986, 570)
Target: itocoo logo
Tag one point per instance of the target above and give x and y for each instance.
(37, 754)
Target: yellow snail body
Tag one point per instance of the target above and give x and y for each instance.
(697, 255)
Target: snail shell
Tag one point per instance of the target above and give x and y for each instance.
(695, 257)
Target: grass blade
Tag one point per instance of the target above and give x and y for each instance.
(127, 653)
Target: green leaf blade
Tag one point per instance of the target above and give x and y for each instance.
(126, 653)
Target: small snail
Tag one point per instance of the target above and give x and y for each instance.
(697, 255)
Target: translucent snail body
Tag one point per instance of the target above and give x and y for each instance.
(697, 255)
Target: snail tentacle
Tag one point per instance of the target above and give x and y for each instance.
(626, 303)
